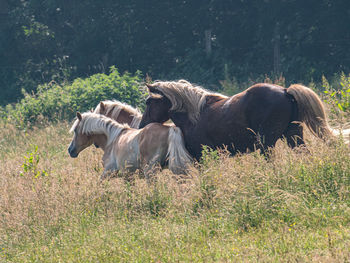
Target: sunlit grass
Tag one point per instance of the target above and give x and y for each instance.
(293, 206)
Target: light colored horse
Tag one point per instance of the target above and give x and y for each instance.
(120, 112)
(127, 149)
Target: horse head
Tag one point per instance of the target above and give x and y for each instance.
(157, 107)
(80, 140)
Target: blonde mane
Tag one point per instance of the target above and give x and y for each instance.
(184, 96)
(93, 123)
(114, 107)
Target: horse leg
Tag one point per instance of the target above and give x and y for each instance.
(107, 173)
(294, 135)
(150, 168)
(262, 145)
(264, 140)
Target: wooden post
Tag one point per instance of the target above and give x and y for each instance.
(207, 42)
(276, 50)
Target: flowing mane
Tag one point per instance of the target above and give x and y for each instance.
(184, 96)
(114, 107)
(93, 123)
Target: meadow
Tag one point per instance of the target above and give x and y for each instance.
(291, 207)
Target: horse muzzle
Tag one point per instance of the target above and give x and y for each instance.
(142, 124)
(72, 152)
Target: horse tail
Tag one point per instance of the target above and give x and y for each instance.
(311, 111)
(179, 159)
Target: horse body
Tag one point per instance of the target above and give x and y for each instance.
(238, 121)
(254, 118)
(127, 149)
(124, 113)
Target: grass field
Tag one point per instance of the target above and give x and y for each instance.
(293, 207)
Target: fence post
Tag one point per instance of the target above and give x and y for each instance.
(276, 50)
(207, 42)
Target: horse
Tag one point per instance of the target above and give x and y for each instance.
(120, 112)
(253, 119)
(127, 149)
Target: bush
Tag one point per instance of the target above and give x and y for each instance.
(338, 94)
(53, 102)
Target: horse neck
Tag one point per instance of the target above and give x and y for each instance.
(135, 123)
(109, 128)
(124, 117)
(133, 119)
(100, 140)
(181, 120)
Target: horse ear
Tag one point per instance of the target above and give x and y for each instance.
(151, 88)
(79, 116)
(102, 106)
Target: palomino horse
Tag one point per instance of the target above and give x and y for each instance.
(254, 118)
(120, 112)
(127, 149)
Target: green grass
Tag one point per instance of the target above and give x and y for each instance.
(198, 239)
(292, 207)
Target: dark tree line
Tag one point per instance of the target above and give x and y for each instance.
(202, 41)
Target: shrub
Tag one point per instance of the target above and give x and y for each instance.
(54, 102)
(30, 164)
(338, 94)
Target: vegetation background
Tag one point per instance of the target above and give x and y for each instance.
(205, 41)
(57, 57)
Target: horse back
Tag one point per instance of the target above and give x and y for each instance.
(267, 101)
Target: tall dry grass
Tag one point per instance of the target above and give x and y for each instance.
(293, 206)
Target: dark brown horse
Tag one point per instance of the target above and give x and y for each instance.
(254, 118)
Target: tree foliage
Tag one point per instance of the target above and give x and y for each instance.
(61, 40)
